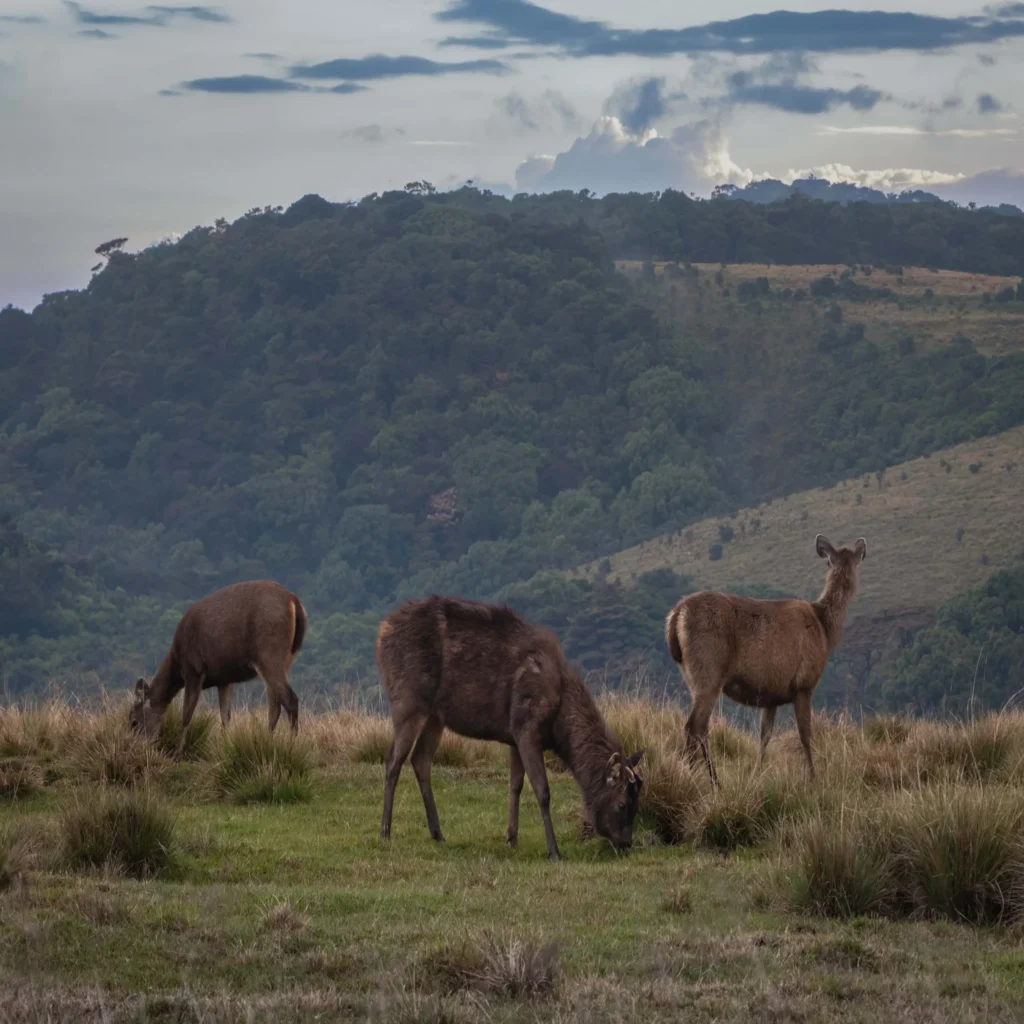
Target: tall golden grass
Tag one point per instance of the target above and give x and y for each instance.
(905, 817)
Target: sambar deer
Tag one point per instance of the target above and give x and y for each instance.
(762, 654)
(230, 636)
(484, 672)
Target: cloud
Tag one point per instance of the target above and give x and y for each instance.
(906, 129)
(264, 56)
(802, 99)
(372, 133)
(97, 33)
(888, 180)
(197, 13)
(987, 60)
(641, 102)
(155, 15)
(254, 84)
(378, 65)
(988, 104)
(990, 188)
(612, 159)
(519, 21)
(22, 19)
(550, 111)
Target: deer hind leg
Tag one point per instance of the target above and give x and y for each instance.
(224, 699)
(422, 757)
(516, 774)
(802, 711)
(280, 695)
(697, 725)
(406, 733)
(767, 725)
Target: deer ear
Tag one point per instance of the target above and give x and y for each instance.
(634, 759)
(861, 548)
(614, 767)
(823, 546)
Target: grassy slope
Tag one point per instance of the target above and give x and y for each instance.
(369, 930)
(957, 305)
(910, 521)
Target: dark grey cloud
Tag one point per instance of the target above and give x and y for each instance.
(778, 82)
(196, 13)
(97, 33)
(802, 99)
(152, 15)
(987, 60)
(22, 19)
(988, 104)
(641, 102)
(254, 84)
(506, 22)
(264, 56)
(379, 65)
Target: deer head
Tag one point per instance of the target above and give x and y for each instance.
(143, 718)
(843, 557)
(618, 800)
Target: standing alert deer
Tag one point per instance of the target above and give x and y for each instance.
(483, 672)
(761, 653)
(228, 637)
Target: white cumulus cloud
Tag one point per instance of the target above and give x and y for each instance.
(610, 158)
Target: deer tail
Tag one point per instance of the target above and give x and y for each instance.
(299, 623)
(672, 634)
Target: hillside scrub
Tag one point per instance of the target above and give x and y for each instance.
(454, 393)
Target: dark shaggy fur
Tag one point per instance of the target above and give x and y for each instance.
(483, 672)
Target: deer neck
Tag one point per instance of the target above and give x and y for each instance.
(581, 738)
(834, 603)
(165, 685)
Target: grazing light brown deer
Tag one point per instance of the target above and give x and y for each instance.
(761, 653)
(483, 672)
(227, 637)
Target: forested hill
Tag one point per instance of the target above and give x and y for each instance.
(417, 392)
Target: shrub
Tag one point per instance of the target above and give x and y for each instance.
(200, 740)
(725, 533)
(120, 831)
(887, 729)
(957, 854)
(20, 777)
(34, 732)
(671, 792)
(371, 741)
(109, 752)
(15, 856)
(837, 872)
(745, 813)
(715, 552)
(508, 967)
(258, 766)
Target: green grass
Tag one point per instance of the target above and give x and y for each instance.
(299, 911)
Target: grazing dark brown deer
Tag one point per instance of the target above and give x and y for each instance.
(761, 653)
(230, 636)
(483, 672)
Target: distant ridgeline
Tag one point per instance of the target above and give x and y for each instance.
(771, 190)
(455, 393)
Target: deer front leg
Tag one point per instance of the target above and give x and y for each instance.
(189, 703)
(516, 774)
(224, 699)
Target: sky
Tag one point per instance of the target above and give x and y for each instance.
(119, 118)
